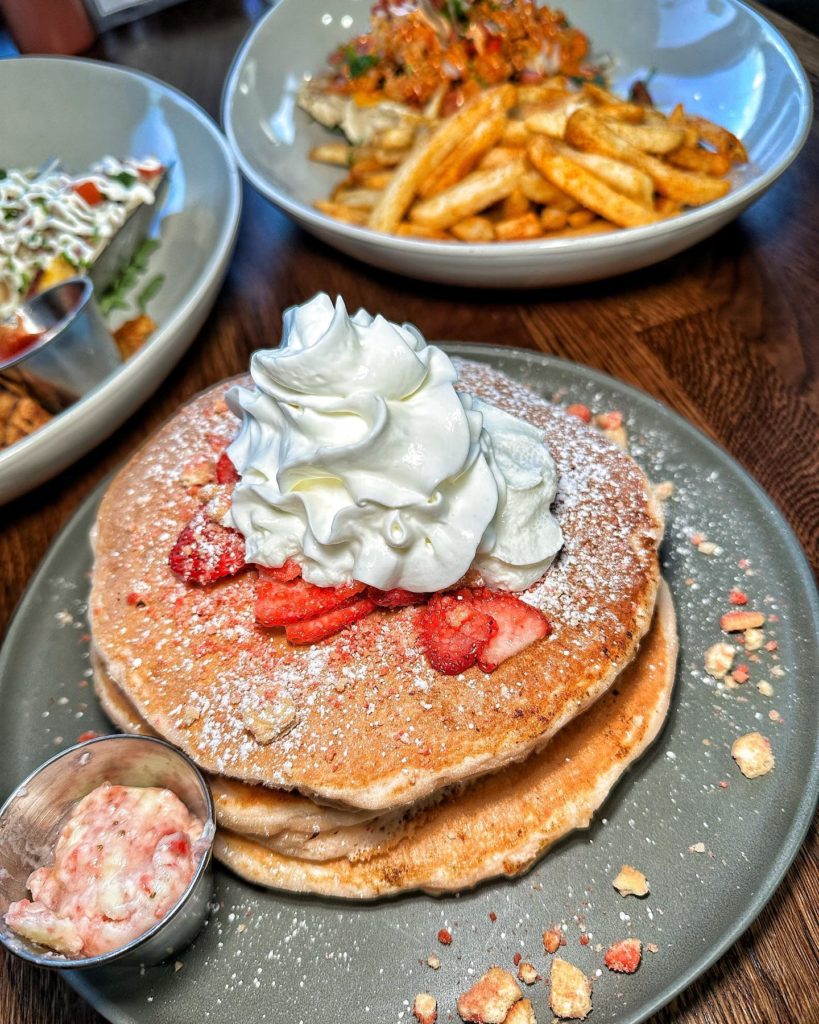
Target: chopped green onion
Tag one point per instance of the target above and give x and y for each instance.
(359, 64)
(150, 291)
(125, 179)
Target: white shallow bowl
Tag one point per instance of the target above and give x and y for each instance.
(78, 111)
(718, 57)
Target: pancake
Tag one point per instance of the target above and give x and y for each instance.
(370, 724)
(281, 821)
(501, 823)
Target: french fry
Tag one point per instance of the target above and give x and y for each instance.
(408, 230)
(597, 227)
(390, 157)
(650, 138)
(695, 158)
(613, 106)
(586, 131)
(587, 188)
(622, 177)
(517, 229)
(337, 153)
(397, 138)
(474, 229)
(667, 207)
(543, 92)
(499, 156)
(348, 214)
(515, 205)
(477, 191)
(538, 189)
(553, 219)
(720, 138)
(515, 134)
(677, 117)
(358, 198)
(428, 152)
(463, 159)
(580, 218)
(552, 120)
(377, 179)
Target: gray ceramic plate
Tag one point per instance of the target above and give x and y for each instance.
(79, 111)
(267, 956)
(718, 57)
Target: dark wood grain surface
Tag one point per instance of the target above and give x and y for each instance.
(727, 334)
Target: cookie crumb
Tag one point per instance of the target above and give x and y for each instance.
(490, 998)
(624, 956)
(570, 995)
(631, 882)
(752, 753)
(425, 1008)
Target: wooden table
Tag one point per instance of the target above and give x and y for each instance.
(726, 334)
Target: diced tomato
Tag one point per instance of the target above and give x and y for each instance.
(89, 192)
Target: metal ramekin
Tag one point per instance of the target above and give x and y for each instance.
(75, 352)
(32, 817)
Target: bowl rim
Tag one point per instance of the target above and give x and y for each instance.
(475, 253)
(84, 963)
(114, 389)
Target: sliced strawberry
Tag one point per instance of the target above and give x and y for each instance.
(225, 470)
(289, 571)
(206, 551)
(333, 621)
(452, 631)
(281, 602)
(396, 598)
(518, 625)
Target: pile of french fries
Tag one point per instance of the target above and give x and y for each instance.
(532, 161)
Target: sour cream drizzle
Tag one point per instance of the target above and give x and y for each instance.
(43, 217)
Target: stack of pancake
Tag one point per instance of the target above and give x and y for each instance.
(351, 767)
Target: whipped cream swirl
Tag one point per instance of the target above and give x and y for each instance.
(361, 461)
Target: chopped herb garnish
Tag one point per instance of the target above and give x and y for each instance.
(125, 179)
(359, 64)
(114, 297)
(150, 291)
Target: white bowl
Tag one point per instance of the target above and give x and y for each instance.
(78, 111)
(718, 57)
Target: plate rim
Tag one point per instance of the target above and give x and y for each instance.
(116, 385)
(475, 253)
(799, 825)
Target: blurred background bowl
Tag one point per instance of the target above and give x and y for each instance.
(78, 111)
(720, 59)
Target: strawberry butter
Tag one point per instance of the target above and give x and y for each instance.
(123, 859)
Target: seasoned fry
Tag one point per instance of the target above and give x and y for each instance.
(552, 120)
(499, 156)
(348, 214)
(695, 158)
(524, 161)
(587, 188)
(538, 189)
(474, 229)
(516, 229)
(428, 152)
(622, 177)
(358, 198)
(409, 230)
(597, 227)
(515, 133)
(515, 204)
(337, 153)
(650, 138)
(463, 159)
(477, 191)
(553, 219)
(613, 106)
(721, 139)
(397, 138)
(587, 131)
